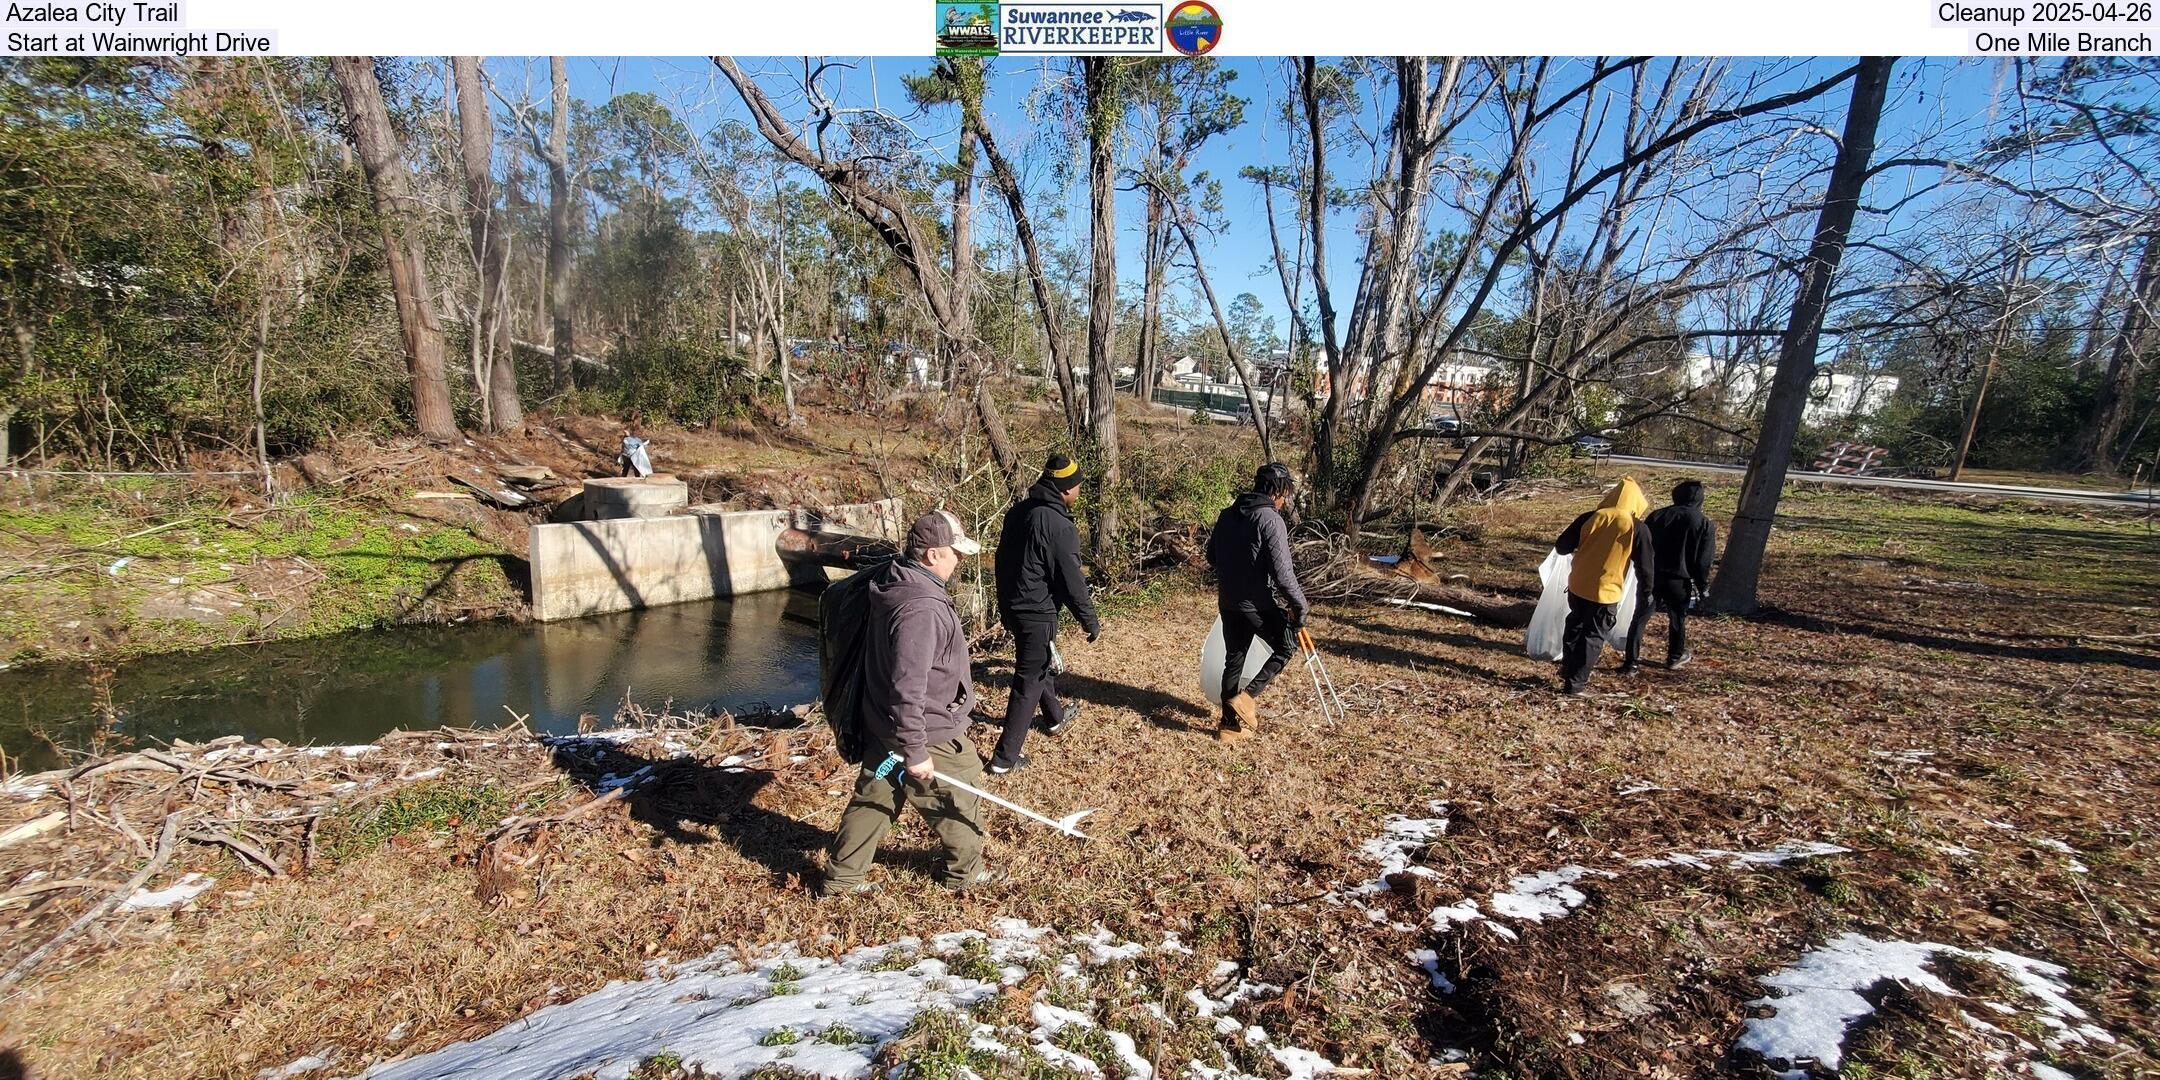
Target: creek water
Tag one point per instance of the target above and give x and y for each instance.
(353, 688)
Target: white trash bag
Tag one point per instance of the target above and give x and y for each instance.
(1549, 622)
(1216, 650)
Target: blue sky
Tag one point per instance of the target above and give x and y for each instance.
(1928, 96)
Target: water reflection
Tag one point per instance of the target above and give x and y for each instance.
(354, 687)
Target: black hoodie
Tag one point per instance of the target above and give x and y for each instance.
(1038, 561)
(1685, 541)
(1250, 551)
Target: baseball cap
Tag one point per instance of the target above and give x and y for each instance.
(939, 528)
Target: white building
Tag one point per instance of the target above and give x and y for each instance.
(1834, 395)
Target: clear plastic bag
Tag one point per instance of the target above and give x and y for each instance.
(1216, 650)
(1549, 622)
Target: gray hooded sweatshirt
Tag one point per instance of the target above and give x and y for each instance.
(918, 688)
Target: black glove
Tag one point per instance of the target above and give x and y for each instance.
(1093, 632)
(1297, 620)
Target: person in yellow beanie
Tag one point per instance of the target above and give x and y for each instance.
(1606, 543)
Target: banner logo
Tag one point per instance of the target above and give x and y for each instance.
(1077, 29)
(967, 29)
(1195, 28)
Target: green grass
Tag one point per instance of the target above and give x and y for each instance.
(427, 807)
(371, 570)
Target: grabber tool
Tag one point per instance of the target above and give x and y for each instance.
(1067, 824)
(1331, 703)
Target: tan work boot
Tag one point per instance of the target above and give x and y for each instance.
(1240, 718)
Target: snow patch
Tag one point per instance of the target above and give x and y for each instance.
(1549, 895)
(715, 1013)
(1819, 997)
(1399, 838)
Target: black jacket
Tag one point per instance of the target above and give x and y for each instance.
(1686, 543)
(1250, 551)
(918, 688)
(1038, 561)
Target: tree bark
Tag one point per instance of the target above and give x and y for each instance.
(963, 242)
(1740, 570)
(556, 154)
(1156, 254)
(1103, 111)
(476, 150)
(1222, 327)
(1038, 282)
(400, 215)
(2132, 340)
(1987, 372)
(1331, 414)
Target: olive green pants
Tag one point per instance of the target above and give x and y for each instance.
(955, 815)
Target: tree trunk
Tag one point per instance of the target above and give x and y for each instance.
(1987, 372)
(1156, 254)
(1102, 117)
(402, 219)
(476, 148)
(557, 157)
(963, 244)
(1038, 282)
(1222, 326)
(1331, 414)
(1740, 570)
(2132, 340)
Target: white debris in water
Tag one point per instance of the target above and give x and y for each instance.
(1400, 837)
(826, 1017)
(1821, 995)
(187, 888)
(1548, 895)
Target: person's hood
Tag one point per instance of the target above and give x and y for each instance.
(1690, 497)
(1253, 500)
(906, 579)
(1626, 496)
(1046, 492)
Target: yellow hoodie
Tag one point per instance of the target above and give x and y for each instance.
(1606, 540)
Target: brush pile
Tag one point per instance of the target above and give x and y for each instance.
(83, 845)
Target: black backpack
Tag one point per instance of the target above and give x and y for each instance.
(843, 612)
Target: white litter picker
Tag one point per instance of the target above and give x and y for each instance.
(1323, 683)
(1066, 824)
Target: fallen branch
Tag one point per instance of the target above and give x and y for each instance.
(97, 911)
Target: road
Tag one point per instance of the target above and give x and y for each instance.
(2014, 491)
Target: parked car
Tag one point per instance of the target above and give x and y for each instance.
(1592, 446)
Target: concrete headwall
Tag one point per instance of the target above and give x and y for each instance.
(595, 567)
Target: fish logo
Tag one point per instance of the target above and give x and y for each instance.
(1129, 15)
(1195, 28)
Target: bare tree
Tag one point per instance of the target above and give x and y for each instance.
(1740, 568)
(2132, 340)
(402, 218)
(1104, 110)
(496, 370)
(853, 184)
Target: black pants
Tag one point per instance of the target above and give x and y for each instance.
(1583, 640)
(1673, 595)
(1034, 689)
(1240, 626)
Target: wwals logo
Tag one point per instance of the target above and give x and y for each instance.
(967, 29)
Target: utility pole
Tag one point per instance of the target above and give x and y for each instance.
(1987, 373)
